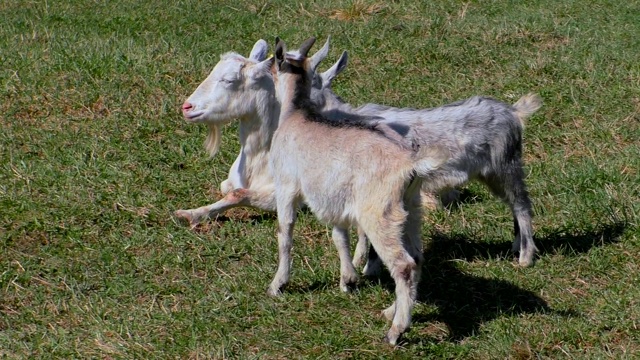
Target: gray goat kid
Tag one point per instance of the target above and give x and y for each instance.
(348, 172)
(483, 137)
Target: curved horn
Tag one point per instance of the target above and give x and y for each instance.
(306, 46)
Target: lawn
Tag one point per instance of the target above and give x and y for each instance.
(95, 157)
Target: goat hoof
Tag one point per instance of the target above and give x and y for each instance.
(348, 282)
(274, 292)
(525, 262)
(348, 287)
(185, 215)
(391, 337)
(389, 312)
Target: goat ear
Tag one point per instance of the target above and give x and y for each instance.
(277, 40)
(320, 55)
(265, 65)
(280, 49)
(259, 51)
(336, 69)
(306, 46)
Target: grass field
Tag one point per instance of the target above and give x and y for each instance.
(95, 157)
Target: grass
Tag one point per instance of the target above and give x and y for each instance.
(94, 157)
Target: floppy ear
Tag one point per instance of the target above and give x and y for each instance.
(259, 51)
(306, 46)
(336, 69)
(320, 55)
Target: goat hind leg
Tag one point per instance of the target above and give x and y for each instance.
(386, 238)
(523, 235)
(412, 242)
(511, 188)
(404, 271)
(518, 199)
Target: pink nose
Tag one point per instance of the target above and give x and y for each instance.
(186, 107)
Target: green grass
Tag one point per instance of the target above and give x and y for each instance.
(94, 158)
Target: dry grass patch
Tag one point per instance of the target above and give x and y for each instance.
(359, 10)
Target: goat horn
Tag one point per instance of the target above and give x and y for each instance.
(306, 46)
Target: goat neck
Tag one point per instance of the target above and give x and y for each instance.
(257, 127)
(294, 81)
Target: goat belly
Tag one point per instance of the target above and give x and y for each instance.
(328, 203)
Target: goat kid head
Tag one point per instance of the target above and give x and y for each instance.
(321, 93)
(295, 71)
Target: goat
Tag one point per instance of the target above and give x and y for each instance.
(239, 88)
(348, 172)
(484, 138)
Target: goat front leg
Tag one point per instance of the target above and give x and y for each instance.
(348, 276)
(262, 199)
(286, 221)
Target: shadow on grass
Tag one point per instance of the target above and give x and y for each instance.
(562, 241)
(251, 218)
(238, 216)
(570, 242)
(464, 197)
(465, 302)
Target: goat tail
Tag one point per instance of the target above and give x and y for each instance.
(212, 143)
(429, 158)
(527, 105)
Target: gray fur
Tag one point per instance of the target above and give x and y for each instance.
(484, 139)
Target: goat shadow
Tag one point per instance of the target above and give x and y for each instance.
(249, 215)
(465, 302)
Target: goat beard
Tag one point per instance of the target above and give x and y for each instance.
(212, 143)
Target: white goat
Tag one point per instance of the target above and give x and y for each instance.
(239, 88)
(483, 136)
(348, 172)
